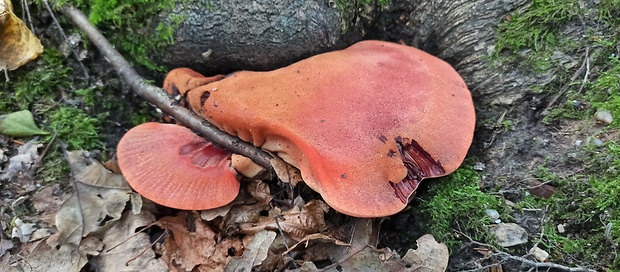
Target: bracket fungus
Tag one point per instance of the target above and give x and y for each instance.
(364, 126)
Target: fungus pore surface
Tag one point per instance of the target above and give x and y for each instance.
(172, 166)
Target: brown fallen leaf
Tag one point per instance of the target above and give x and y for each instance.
(190, 244)
(23, 166)
(537, 188)
(259, 190)
(296, 222)
(100, 198)
(47, 202)
(18, 44)
(360, 254)
(430, 255)
(285, 172)
(40, 257)
(126, 250)
(254, 254)
(253, 198)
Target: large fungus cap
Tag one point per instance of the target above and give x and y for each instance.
(174, 167)
(364, 125)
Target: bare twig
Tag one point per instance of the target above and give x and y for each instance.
(585, 64)
(159, 98)
(64, 36)
(534, 265)
(538, 265)
(26, 11)
(587, 75)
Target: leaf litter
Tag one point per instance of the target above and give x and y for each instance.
(104, 225)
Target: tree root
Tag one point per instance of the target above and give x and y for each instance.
(159, 97)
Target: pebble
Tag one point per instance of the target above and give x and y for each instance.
(597, 142)
(539, 254)
(493, 215)
(479, 166)
(561, 228)
(509, 234)
(604, 117)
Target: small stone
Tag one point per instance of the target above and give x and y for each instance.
(578, 143)
(561, 228)
(539, 254)
(479, 166)
(509, 234)
(597, 142)
(493, 215)
(604, 117)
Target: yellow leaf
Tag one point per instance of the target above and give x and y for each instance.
(18, 45)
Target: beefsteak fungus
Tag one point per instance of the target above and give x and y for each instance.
(364, 125)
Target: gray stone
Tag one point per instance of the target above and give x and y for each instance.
(509, 234)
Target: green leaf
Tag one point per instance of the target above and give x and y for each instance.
(19, 124)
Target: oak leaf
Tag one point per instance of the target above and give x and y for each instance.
(18, 44)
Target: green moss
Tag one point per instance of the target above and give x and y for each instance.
(456, 202)
(535, 26)
(77, 129)
(586, 204)
(36, 89)
(604, 92)
(125, 23)
(609, 12)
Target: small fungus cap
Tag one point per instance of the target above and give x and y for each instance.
(174, 167)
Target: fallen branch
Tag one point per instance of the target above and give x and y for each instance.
(159, 97)
(533, 265)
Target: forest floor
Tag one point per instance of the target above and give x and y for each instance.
(564, 133)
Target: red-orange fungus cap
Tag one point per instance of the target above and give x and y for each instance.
(364, 125)
(174, 167)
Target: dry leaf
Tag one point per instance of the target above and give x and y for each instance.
(23, 166)
(22, 231)
(430, 255)
(126, 250)
(358, 255)
(285, 172)
(259, 190)
(47, 202)
(100, 198)
(191, 244)
(316, 237)
(253, 199)
(18, 44)
(296, 222)
(254, 254)
(40, 257)
(5, 245)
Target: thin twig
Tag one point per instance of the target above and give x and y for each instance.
(538, 265)
(27, 11)
(64, 36)
(524, 261)
(587, 74)
(281, 231)
(584, 64)
(159, 98)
